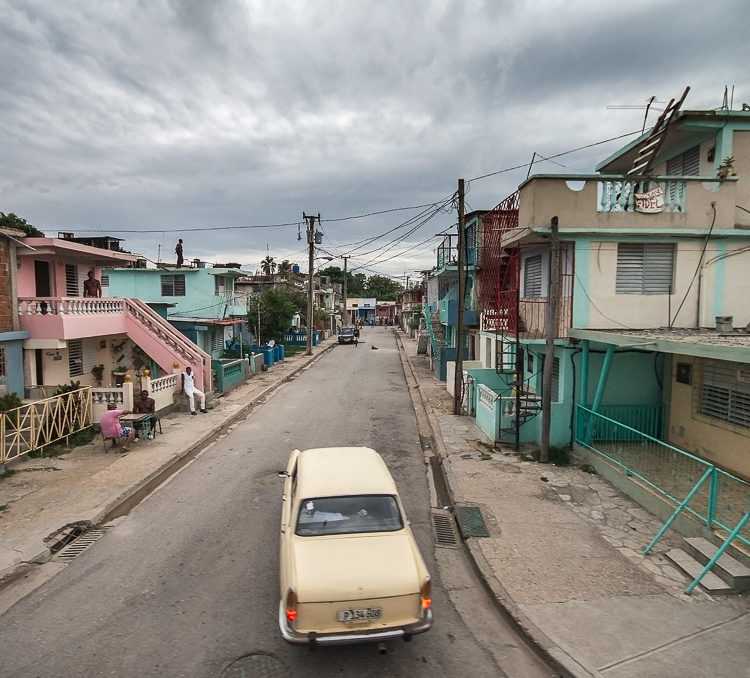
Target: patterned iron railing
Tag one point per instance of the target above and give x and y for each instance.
(34, 425)
(435, 343)
(692, 485)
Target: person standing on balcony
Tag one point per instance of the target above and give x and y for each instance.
(188, 388)
(91, 286)
(178, 252)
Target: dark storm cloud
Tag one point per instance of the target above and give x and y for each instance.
(163, 116)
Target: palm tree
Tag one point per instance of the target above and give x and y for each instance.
(268, 265)
(285, 267)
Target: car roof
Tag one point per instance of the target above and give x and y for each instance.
(341, 471)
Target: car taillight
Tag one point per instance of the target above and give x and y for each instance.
(290, 605)
(425, 594)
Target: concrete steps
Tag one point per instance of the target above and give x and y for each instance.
(728, 575)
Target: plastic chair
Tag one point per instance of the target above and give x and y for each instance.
(115, 441)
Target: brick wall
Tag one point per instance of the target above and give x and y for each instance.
(6, 320)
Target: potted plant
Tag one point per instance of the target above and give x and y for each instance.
(119, 372)
(726, 169)
(98, 372)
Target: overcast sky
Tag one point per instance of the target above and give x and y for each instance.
(221, 121)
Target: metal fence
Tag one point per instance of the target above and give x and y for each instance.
(692, 485)
(34, 425)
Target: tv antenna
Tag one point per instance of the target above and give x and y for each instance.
(648, 106)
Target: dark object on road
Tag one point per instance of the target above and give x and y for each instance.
(347, 335)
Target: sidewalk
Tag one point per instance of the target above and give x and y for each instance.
(563, 557)
(88, 485)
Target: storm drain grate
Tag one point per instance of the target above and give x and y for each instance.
(77, 547)
(470, 522)
(444, 528)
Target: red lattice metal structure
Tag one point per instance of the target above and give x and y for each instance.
(499, 272)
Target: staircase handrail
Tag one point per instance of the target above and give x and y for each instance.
(190, 352)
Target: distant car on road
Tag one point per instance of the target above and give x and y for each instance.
(350, 569)
(347, 335)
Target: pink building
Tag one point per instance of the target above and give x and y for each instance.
(94, 340)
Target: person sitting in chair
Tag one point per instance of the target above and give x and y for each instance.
(145, 405)
(110, 423)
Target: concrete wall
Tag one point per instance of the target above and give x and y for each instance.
(717, 441)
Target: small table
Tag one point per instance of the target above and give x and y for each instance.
(141, 423)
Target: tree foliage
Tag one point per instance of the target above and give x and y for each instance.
(13, 221)
(268, 265)
(277, 308)
(382, 288)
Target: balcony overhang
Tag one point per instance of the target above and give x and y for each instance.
(55, 248)
(54, 344)
(700, 343)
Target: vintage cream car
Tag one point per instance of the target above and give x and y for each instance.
(350, 570)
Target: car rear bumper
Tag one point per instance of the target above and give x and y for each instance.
(351, 637)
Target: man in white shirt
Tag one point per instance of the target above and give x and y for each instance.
(188, 388)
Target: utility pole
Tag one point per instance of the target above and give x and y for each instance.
(549, 355)
(459, 376)
(344, 315)
(311, 248)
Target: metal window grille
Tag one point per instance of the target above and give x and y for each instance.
(173, 285)
(75, 357)
(532, 277)
(2, 361)
(219, 285)
(644, 268)
(71, 281)
(725, 393)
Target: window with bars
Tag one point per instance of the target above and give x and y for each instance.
(725, 394)
(644, 268)
(173, 285)
(75, 357)
(532, 276)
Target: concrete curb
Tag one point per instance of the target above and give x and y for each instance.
(105, 512)
(552, 653)
(206, 439)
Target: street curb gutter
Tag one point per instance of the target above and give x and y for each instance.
(557, 658)
(109, 510)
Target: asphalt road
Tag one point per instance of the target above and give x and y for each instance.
(187, 585)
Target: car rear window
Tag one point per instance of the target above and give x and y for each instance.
(348, 515)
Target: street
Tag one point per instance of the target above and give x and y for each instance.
(187, 584)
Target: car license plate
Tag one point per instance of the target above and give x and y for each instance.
(359, 615)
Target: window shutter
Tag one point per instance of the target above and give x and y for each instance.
(173, 285)
(71, 281)
(686, 164)
(658, 265)
(75, 357)
(532, 276)
(644, 269)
